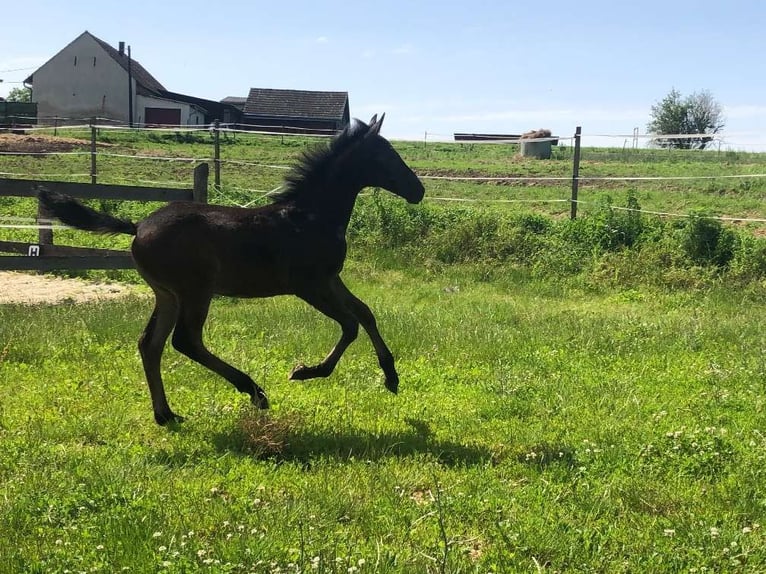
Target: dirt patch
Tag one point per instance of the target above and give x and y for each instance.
(29, 289)
(40, 143)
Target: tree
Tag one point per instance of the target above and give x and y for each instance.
(698, 113)
(19, 95)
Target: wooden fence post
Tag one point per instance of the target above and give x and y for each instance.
(217, 154)
(575, 174)
(93, 176)
(201, 173)
(44, 236)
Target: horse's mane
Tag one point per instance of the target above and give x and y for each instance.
(316, 163)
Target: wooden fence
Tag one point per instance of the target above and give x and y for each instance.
(45, 256)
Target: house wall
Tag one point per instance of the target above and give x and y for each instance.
(79, 82)
(291, 125)
(190, 115)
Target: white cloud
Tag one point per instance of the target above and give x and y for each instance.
(403, 49)
(534, 116)
(745, 111)
(323, 40)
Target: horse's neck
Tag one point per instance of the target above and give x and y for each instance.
(336, 204)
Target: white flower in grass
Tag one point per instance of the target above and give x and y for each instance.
(715, 532)
(669, 532)
(156, 534)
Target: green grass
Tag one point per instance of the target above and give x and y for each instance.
(575, 396)
(539, 426)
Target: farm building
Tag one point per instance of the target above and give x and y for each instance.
(89, 78)
(299, 111)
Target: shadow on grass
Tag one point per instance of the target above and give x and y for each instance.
(287, 440)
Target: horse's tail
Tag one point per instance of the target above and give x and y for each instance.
(73, 213)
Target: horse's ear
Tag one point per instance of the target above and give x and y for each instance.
(376, 125)
(373, 120)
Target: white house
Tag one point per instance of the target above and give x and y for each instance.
(89, 78)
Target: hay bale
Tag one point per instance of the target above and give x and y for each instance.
(531, 146)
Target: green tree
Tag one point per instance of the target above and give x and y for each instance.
(698, 113)
(19, 95)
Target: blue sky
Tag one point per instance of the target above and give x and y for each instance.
(498, 66)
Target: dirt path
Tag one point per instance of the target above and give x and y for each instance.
(30, 289)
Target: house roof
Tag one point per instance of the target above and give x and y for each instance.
(147, 84)
(140, 74)
(211, 107)
(296, 103)
(235, 101)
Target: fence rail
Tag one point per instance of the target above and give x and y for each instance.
(566, 181)
(45, 256)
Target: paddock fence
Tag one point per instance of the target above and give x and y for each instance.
(44, 255)
(214, 140)
(567, 183)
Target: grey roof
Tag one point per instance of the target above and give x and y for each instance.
(142, 77)
(147, 84)
(236, 101)
(296, 103)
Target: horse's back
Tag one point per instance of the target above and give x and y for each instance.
(231, 251)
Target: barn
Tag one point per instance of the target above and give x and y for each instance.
(295, 111)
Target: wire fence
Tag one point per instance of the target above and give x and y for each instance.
(212, 143)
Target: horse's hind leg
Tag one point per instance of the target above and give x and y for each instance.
(151, 345)
(187, 339)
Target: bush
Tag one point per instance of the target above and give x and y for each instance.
(749, 261)
(707, 242)
(612, 247)
(609, 229)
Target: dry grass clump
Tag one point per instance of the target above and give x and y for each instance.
(263, 435)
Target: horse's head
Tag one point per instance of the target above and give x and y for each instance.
(384, 167)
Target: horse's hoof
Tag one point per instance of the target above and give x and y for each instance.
(296, 373)
(259, 400)
(392, 384)
(164, 419)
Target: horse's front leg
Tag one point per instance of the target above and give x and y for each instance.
(330, 304)
(363, 315)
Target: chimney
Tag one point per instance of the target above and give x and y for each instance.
(122, 48)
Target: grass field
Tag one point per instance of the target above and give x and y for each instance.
(537, 428)
(573, 403)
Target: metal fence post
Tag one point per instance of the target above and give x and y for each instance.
(575, 174)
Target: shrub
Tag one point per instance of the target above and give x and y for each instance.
(707, 242)
(749, 262)
(613, 247)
